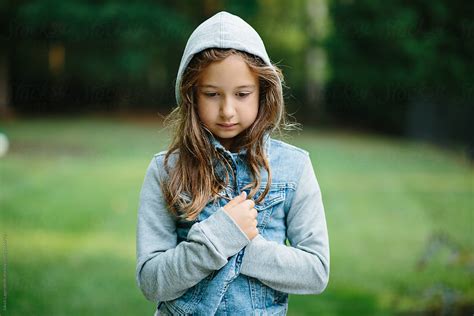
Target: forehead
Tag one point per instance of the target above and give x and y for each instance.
(230, 72)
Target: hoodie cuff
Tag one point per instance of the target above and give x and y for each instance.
(252, 257)
(224, 233)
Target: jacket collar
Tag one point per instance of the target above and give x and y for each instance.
(217, 144)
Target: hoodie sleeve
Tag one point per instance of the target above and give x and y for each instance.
(302, 268)
(165, 269)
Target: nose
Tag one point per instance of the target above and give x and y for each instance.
(227, 108)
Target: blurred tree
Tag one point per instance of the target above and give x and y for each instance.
(103, 48)
(403, 66)
(316, 60)
(291, 36)
(5, 107)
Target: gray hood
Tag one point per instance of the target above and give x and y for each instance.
(222, 30)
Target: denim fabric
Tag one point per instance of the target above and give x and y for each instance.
(208, 266)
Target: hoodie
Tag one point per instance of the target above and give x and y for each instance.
(222, 30)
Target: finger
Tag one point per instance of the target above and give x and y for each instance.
(250, 203)
(239, 198)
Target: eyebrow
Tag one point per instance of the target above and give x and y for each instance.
(216, 87)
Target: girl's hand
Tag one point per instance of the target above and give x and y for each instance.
(244, 214)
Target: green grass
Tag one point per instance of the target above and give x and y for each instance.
(69, 195)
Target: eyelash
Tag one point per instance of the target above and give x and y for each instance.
(214, 94)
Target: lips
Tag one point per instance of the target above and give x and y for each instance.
(227, 125)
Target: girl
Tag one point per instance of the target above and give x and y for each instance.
(216, 209)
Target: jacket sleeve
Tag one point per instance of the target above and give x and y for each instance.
(165, 269)
(302, 268)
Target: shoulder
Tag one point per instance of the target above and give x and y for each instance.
(163, 153)
(157, 163)
(286, 150)
(160, 156)
(288, 161)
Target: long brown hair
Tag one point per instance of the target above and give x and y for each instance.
(192, 181)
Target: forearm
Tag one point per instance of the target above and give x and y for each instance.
(167, 275)
(284, 268)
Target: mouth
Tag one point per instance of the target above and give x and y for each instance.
(227, 125)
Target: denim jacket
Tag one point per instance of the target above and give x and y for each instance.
(208, 266)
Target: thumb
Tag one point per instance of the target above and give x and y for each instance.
(239, 198)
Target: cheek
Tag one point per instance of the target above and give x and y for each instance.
(204, 112)
(200, 108)
(254, 106)
(254, 113)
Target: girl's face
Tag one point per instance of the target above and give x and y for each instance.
(228, 94)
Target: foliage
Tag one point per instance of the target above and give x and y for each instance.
(388, 57)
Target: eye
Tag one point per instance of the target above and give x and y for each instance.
(210, 94)
(243, 94)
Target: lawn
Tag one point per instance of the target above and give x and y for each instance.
(399, 213)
